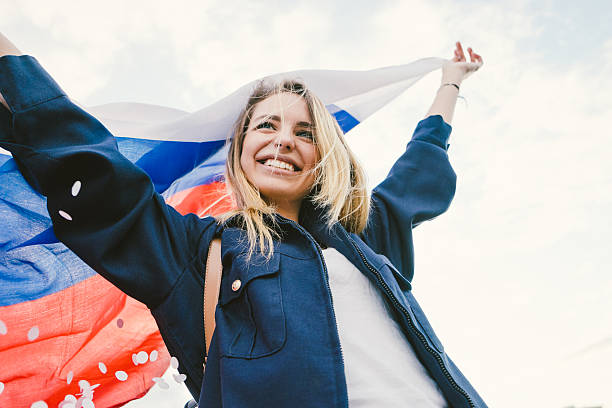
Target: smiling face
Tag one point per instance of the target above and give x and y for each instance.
(278, 152)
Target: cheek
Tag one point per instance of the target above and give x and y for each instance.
(242, 160)
(312, 157)
(246, 167)
(247, 160)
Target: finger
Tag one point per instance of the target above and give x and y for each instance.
(472, 54)
(477, 56)
(460, 48)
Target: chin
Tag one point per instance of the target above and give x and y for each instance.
(274, 196)
(279, 189)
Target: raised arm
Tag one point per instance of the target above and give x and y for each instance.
(103, 207)
(454, 72)
(419, 187)
(421, 183)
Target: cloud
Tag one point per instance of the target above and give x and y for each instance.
(518, 266)
(520, 255)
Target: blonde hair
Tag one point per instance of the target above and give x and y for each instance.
(339, 188)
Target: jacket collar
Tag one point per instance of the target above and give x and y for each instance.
(312, 219)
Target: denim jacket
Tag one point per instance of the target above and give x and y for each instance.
(276, 341)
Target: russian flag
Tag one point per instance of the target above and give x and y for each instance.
(67, 336)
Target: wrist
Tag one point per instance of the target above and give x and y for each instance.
(451, 79)
(451, 85)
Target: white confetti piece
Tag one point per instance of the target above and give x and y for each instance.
(1, 387)
(121, 375)
(102, 367)
(65, 215)
(157, 379)
(39, 404)
(87, 403)
(142, 357)
(76, 187)
(69, 377)
(86, 392)
(174, 363)
(163, 385)
(179, 378)
(33, 333)
(68, 402)
(70, 398)
(2, 327)
(153, 356)
(134, 359)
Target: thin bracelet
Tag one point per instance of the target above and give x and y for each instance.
(451, 83)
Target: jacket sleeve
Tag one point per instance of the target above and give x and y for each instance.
(103, 207)
(419, 187)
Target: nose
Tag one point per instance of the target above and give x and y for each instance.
(284, 139)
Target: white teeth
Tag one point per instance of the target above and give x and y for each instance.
(279, 164)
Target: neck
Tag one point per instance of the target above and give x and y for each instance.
(289, 209)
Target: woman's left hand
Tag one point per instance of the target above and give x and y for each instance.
(457, 69)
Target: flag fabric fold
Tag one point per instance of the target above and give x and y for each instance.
(65, 332)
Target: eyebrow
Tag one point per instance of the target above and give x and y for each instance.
(278, 119)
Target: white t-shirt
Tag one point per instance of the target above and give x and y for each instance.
(381, 367)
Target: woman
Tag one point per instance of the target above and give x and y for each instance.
(303, 229)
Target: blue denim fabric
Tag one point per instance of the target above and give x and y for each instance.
(276, 343)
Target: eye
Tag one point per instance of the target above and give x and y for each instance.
(305, 133)
(265, 125)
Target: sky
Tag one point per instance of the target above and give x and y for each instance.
(514, 277)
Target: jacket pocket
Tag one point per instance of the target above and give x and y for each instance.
(250, 318)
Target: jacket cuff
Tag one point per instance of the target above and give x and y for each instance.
(434, 130)
(24, 82)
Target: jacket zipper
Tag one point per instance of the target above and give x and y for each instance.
(326, 276)
(411, 323)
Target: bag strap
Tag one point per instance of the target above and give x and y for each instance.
(212, 283)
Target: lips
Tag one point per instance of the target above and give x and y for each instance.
(278, 171)
(279, 162)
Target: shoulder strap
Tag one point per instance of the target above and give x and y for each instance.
(212, 283)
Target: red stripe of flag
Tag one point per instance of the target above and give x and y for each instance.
(78, 328)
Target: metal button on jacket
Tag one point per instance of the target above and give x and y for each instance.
(236, 285)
